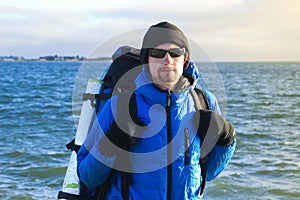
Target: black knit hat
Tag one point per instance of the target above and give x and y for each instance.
(164, 32)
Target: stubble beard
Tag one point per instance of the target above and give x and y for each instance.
(167, 76)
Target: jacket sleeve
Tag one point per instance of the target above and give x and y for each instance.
(219, 156)
(92, 166)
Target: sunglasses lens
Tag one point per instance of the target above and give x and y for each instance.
(176, 52)
(160, 53)
(157, 53)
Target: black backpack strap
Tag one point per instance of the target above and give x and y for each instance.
(126, 177)
(94, 98)
(200, 99)
(201, 102)
(72, 146)
(126, 180)
(203, 172)
(67, 196)
(101, 192)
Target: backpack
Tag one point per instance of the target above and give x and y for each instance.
(124, 59)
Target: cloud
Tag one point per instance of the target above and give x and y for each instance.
(228, 29)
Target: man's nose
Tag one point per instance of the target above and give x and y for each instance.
(167, 59)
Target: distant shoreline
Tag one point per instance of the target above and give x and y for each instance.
(107, 59)
(53, 59)
(110, 60)
(65, 61)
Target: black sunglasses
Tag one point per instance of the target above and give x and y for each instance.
(160, 53)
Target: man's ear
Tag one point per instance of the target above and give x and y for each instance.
(186, 60)
(186, 63)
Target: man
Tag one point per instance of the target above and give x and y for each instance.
(163, 162)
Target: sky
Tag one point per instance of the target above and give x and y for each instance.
(227, 30)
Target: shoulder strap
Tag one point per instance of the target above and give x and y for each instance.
(102, 190)
(122, 127)
(126, 177)
(200, 99)
(201, 102)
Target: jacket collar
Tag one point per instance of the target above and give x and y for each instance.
(153, 95)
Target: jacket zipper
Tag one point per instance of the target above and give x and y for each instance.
(169, 148)
(187, 144)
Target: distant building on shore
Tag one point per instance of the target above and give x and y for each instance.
(61, 58)
(53, 58)
(11, 58)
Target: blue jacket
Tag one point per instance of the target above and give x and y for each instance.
(152, 154)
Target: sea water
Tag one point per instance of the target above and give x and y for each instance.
(40, 107)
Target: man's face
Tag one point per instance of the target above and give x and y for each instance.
(166, 72)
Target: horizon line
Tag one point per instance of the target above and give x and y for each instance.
(78, 58)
